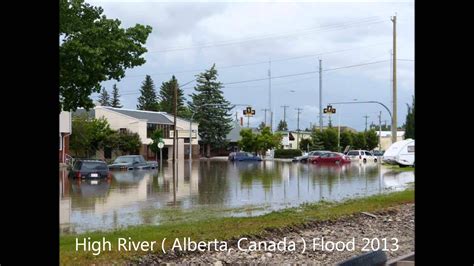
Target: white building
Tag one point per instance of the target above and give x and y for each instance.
(64, 133)
(386, 138)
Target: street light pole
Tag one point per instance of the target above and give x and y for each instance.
(355, 102)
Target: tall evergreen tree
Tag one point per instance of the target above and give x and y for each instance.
(214, 121)
(104, 98)
(410, 121)
(282, 126)
(167, 98)
(115, 102)
(148, 101)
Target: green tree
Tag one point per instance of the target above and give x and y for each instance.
(129, 142)
(266, 140)
(214, 121)
(248, 140)
(104, 98)
(90, 135)
(282, 126)
(79, 142)
(316, 140)
(371, 139)
(329, 139)
(156, 137)
(148, 101)
(359, 141)
(346, 139)
(167, 98)
(93, 49)
(115, 102)
(261, 126)
(100, 131)
(410, 121)
(306, 144)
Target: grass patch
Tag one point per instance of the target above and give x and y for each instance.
(223, 228)
(398, 168)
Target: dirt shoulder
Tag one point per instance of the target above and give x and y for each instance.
(392, 227)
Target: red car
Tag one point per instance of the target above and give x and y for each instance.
(331, 157)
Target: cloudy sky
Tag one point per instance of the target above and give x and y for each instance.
(352, 38)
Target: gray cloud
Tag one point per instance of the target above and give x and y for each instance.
(301, 28)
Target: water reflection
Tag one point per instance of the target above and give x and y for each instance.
(142, 197)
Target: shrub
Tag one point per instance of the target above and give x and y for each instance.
(290, 153)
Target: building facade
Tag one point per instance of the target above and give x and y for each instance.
(64, 133)
(144, 123)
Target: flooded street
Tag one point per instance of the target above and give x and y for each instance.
(214, 187)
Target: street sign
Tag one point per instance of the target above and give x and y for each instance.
(161, 144)
(249, 111)
(329, 110)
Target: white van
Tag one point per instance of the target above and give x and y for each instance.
(401, 153)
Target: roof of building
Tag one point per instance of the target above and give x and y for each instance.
(151, 117)
(80, 112)
(234, 134)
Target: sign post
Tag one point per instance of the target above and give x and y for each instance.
(330, 110)
(161, 144)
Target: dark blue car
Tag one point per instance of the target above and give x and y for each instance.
(243, 156)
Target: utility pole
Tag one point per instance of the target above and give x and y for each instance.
(284, 112)
(298, 127)
(175, 135)
(265, 111)
(320, 95)
(394, 108)
(366, 116)
(270, 93)
(338, 132)
(380, 130)
(236, 116)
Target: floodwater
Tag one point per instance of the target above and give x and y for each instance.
(226, 188)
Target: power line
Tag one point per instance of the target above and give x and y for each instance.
(256, 63)
(303, 73)
(365, 21)
(284, 76)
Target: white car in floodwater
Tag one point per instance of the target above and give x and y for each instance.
(401, 153)
(361, 156)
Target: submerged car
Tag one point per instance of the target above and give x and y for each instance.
(378, 153)
(361, 155)
(89, 169)
(243, 156)
(311, 154)
(132, 162)
(330, 157)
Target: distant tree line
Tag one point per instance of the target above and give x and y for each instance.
(327, 140)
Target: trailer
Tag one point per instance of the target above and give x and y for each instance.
(401, 153)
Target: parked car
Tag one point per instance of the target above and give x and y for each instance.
(89, 169)
(243, 156)
(378, 153)
(401, 153)
(304, 158)
(132, 162)
(361, 155)
(330, 157)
